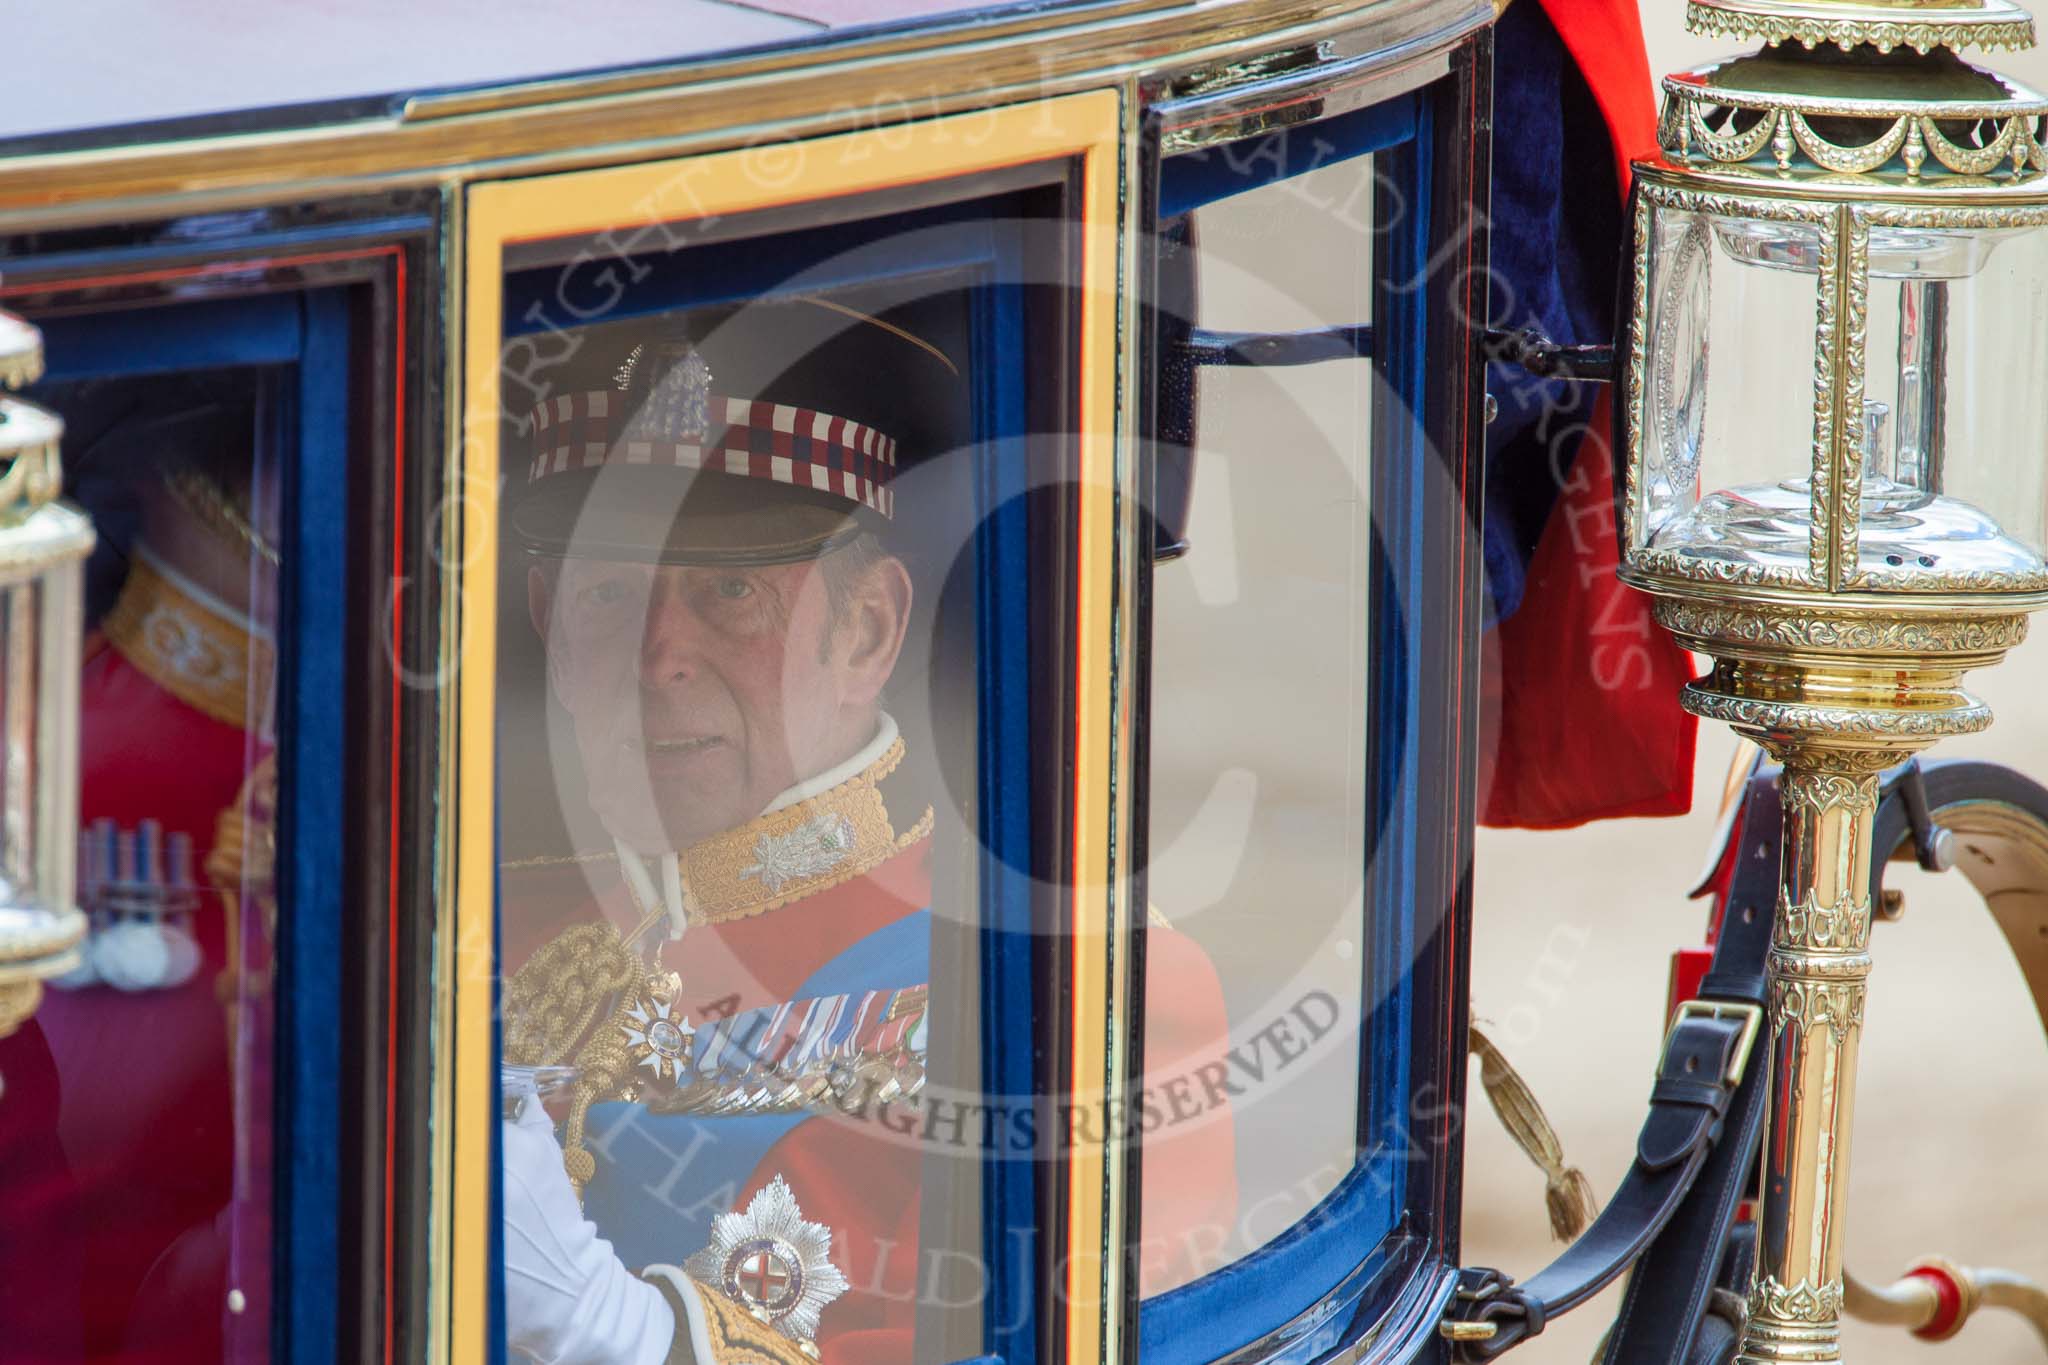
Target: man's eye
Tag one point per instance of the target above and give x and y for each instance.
(733, 589)
(604, 594)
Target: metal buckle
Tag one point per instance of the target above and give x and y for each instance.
(1752, 1017)
(1476, 1285)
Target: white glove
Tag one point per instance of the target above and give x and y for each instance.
(568, 1298)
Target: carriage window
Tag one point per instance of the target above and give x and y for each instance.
(1258, 830)
(135, 1126)
(736, 1031)
(770, 1080)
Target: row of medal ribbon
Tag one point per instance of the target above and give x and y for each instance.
(798, 1054)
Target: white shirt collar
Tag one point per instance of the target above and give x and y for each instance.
(885, 735)
(669, 894)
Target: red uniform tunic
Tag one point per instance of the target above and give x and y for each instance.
(863, 1176)
(117, 1135)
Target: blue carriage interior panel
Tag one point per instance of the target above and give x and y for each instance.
(1002, 577)
(312, 666)
(1403, 465)
(202, 334)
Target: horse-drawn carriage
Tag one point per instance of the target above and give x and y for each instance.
(816, 692)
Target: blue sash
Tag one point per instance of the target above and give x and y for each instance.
(662, 1178)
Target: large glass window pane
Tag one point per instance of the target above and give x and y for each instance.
(135, 1130)
(1729, 438)
(722, 763)
(777, 941)
(1953, 480)
(1258, 826)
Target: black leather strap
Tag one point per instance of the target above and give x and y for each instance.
(1702, 1070)
(1667, 1296)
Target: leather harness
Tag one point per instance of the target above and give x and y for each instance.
(1673, 1217)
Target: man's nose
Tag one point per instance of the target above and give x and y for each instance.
(672, 643)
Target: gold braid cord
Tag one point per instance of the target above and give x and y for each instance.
(1567, 1193)
(551, 1004)
(740, 1338)
(553, 1000)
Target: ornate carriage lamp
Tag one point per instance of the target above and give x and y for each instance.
(1837, 480)
(42, 547)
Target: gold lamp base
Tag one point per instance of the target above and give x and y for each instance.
(1850, 678)
(1837, 697)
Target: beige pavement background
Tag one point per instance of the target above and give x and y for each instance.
(1573, 937)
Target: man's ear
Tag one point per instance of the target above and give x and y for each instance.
(878, 620)
(540, 600)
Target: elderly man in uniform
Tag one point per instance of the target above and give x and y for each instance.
(734, 994)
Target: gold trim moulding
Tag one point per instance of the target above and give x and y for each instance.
(1811, 184)
(1089, 130)
(1909, 138)
(1884, 591)
(1243, 97)
(820, 87)
(1709, 625)
(1755, 83)
(1855, 679)
(846, 47)
(1894, 732)
(1983, 24)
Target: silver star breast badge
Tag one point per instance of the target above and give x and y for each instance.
(773, 1262)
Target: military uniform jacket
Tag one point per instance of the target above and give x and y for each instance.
(771, 1064)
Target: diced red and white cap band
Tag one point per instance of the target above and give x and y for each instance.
(800, 447)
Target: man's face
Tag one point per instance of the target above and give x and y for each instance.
(697, 694)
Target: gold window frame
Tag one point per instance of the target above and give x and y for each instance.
(1093, 129)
